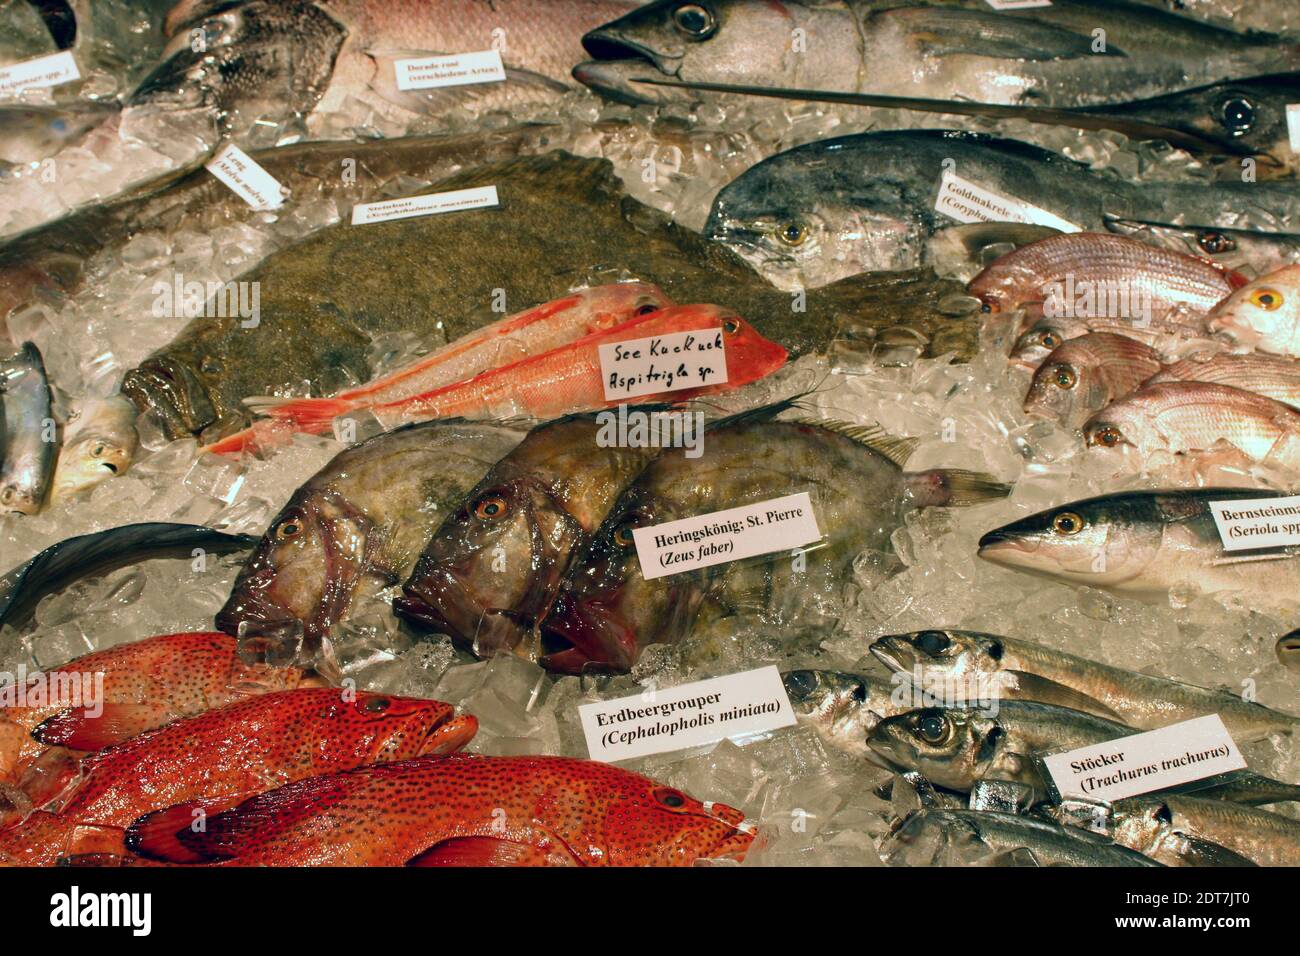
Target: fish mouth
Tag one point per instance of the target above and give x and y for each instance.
(579, 632)
(606, 46)
(890, 650)
(170, 388)
(448, 734)
(613, 79)
(441, 602)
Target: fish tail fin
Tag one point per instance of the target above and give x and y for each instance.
(953, 488)
(235, 444)
(306, 413)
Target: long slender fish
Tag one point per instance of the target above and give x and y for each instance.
(1038, 672)
(1241, 249)
(30, 438)
(842, 708)
(1155, 825)
(1145, 543)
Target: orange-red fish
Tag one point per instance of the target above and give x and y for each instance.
(569, 379)
(216, 759)
(461, 810)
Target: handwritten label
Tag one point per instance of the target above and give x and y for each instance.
(779, 524)
(246, 179)
(1147, 762)
(52, 70)
(663, 363)
(458, 69)
(1017, 4)
(479, 197)
(965, 201)
(1293, 125)
(1249, 523)
(688, 715)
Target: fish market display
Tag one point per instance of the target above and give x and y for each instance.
(469, 811)
(601, 433)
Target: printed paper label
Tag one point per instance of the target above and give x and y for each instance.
(52, 70)
(966, 202)
(246, 179)
(1250, 523)
(458, 69)
(780, 524)
(689, 715)
(1293, 125)
(663, 363)
(479, 197)
(1143, 763)
(1017, 4)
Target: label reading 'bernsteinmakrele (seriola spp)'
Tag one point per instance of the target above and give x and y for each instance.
(1143, 763)
(966, 201)
(663, 363)
(480, 197)
(42, 71)
(1249, 523)
(246, 178)
(1293, 125)
(457, 69)
(688, 715)
(779, 524)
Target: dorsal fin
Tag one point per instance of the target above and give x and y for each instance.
(555, 171)
(896, 449)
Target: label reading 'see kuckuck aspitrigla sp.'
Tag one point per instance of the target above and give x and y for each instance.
(1144, 763)
(969, 202)
(246, 179)
(456, 69)
(457, 200)
(1250, 523)
(688, 715)
(662, 363)
(54, 69)
(765, 527)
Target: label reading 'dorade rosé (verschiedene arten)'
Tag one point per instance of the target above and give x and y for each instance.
(246, 179)
(778, 524)
(1249, 523)
(688, 715)
(456, 69)
(479, 197)
(968, 202)
(54, 69)
(1143, 763)
(663, 363)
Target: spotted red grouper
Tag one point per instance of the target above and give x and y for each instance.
(216, 759)
(145, 684)
(461, 810)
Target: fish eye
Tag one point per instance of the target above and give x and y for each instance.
(210, 366)
(859, 692)
(289, 528)
(672, 799)
(792, 234)
(801, 682)
(1064, 377)
(1050, 340)
(694, 21)
(646, 308)
(1237, 114)
(623, 534)
(1067, 523)
(1266, 299)
(932, 642)
(489, 507)
(730, 326)
(1106, 435)
(933, 728)
(376, 705)
(1215, 243)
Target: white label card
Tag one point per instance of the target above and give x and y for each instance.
(1249, 523)
(1293, 125)
(688, 715)
(480, 197)
(1017, 4)
(779, 524)
(1146, 762)
(965, 201)
(246, 179)
(663, 363)
(52, 70)
(458, 69)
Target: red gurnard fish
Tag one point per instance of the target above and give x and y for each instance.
(216, 759)
(461, 810)
(568, 379)
(515, 337)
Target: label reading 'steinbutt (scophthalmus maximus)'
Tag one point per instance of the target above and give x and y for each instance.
(663, 363)
(688, 715)
(1249, 523)
(457, 69)
(479, 197)
(968, 202)
(246, 178)
(778, 524)
(1144, 763)
(42, 71)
